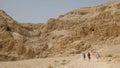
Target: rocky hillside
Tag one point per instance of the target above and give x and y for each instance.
(71, 33)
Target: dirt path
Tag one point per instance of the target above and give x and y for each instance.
(61, 62)
(93, 63)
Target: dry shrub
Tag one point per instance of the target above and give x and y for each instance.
(50, 66)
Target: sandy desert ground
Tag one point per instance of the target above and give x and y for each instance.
(75, 61)
(64, 62)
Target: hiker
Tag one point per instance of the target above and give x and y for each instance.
(97, 55)
(84, 56)
(89, 57)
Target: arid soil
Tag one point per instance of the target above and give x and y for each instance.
(64, 62)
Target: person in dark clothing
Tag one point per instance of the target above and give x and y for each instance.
(89, 56)
(84, 56)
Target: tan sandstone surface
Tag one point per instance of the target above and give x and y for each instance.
(58, 43)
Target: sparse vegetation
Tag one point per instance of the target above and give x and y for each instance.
(63, 63)
(56, 61)
(50, 66)
(109, 55)
(64, 60)
(109, 60)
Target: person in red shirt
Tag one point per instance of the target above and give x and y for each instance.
(89, 56)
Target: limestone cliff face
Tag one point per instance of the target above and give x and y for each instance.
(12, 39)
(71, 33)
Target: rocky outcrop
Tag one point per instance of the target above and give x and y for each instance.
(71, 33)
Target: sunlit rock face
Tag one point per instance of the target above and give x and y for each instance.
(69, 34)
